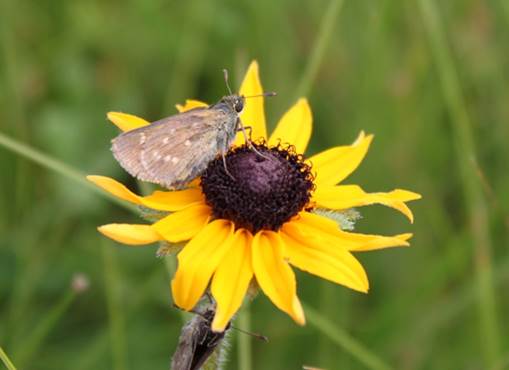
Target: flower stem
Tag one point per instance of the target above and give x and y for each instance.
(6, 360)
(477, 212)
(244, 340)
(324, 34)
(344, 340)
(57, 166)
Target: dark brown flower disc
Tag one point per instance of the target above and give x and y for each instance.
(260, 189)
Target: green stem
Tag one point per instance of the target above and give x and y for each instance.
(244, 340)
(6, 360)
(324, 34)
(57, 166)
(473, 194)
(344, 340)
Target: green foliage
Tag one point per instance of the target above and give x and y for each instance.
(64, 64)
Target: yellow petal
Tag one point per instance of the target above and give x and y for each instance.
(184, 224)
(195, 183)
(274, 275)
(309, 225)
(198, 261)
(190, 104)
(160, 200)
(324, 259)
(335, 164)
(231, 279)
(294, 127)
(316, 223)
(253, 114)
(366, 242)
(173, 200)
(130, 234)
(126, 122)
(348, 196)
(115, 188)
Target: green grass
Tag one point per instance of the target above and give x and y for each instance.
(428, 78)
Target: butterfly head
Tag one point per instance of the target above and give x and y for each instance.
(236, 102)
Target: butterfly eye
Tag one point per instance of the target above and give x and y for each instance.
(239, 105)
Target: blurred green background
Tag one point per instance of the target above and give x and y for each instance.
(428, 78)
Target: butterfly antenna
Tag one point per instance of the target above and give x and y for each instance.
(225, 72)
(268, 93)
(254, 335)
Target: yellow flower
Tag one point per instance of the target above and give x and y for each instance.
(264, 220)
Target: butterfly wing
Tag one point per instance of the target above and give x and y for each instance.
(172, 151)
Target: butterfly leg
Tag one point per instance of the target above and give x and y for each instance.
(243, 128)
(249, 143)
(223, 154)
(209, 297)
(250, 128)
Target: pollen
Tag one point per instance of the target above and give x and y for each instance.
(263, 189)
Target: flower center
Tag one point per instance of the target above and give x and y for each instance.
(258, 190)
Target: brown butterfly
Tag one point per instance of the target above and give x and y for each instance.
(174, 150)
(197, 342)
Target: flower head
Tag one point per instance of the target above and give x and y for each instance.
(259, 213)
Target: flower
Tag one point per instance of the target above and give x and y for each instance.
(262, 215)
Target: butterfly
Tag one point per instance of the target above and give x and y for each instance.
(174, 150)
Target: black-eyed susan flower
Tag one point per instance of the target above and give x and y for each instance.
(262, 216)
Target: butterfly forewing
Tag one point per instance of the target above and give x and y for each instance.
(172, 151)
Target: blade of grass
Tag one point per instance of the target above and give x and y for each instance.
(435, 317)
(324, 34)
(6, 360)
(32, 344)
(332, 305)
(344, 340)
(505, 6)
(57, 166)
(12, 86)
(32, 263)
(115, 311)
(474, 197)
(188, 57)
(91, 356)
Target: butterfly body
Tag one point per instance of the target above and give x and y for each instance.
(174, 150)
